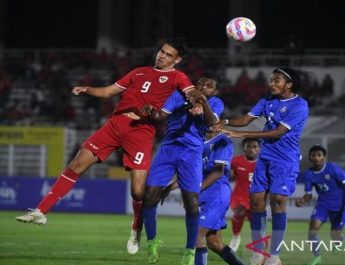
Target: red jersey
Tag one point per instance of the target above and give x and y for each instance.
(148, 85)
(243, 170)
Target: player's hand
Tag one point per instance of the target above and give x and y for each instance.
(147, 110)
(194, 95)
(77, 90)
(197, 109)
(299, 202)
(218, 127)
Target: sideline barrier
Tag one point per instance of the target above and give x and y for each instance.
(98, 195)
(173, 205)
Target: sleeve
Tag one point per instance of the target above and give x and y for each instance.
(218, 108)
(308, 185)
(339, 174)
(222, 153)
(183, 82)
(126, 80)
(296, 115)
(170, 103)
(258, 109)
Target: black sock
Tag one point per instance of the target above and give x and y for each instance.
(230, 257)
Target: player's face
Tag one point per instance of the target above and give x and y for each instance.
(251, 150)
(317, 158)
(206, 86)
(167, 57)
(279, 86)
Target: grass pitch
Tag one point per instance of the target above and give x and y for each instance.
(95, 239)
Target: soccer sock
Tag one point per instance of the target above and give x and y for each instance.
(200, 256)
(237, 223)
(192, 225)
(61, 186)
(138, 215)
(279, 221)
(258, 227)
(230, 257)
(150, 222)
(314, 237)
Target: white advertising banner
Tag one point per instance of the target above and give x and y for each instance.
(173, 205)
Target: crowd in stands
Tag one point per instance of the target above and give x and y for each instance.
(35, 86)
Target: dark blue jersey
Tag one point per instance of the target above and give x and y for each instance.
(218, 150)
(329, 184)
(183, 127)
(293, 114)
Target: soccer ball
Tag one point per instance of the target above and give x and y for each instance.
(241, 29)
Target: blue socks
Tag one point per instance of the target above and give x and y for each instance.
(192, 225)
(279, 221)
(150, 222)
(313, 236)
(258, 227)
(201, 256)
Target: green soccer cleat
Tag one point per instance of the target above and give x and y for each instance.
(154, 246)
(188, 257)
(315, 261)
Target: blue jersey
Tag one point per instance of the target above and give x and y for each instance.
(219, 149)
(329, 184)
(293, 114)
(184, 128)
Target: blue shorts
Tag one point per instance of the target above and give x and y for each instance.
(177, 159)
(212, 215)
(274, 177)
(337, 218)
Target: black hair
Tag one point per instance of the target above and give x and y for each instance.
(246, 140)
(295, 76)
(317, 148)
(209, 75)
(179, 44)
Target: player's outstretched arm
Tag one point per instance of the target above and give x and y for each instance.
(210, 119)
(274, 134)
(100, 92)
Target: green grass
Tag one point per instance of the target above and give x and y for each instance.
(94, 239)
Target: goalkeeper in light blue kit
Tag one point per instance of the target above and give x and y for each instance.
(328, 179)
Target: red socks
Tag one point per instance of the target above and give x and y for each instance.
(237, 223)
(61, 186)
(138, 215)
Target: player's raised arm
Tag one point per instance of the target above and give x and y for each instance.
(100, 92)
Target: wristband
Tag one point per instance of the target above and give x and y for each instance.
(226, 121)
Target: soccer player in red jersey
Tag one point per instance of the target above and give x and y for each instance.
(126, 128)
(242, 168)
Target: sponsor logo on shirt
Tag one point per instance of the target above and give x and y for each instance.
(283, 109)
(139, 74)
(241, 168)
(163, 79)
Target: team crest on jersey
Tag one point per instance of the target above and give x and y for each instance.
(163, 79)
(211, 146)
(283, 109)
(327, 177)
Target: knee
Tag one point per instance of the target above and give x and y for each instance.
(215, 246)
(191, 204)
(151, 197)
(278, 203)
(137, 192)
